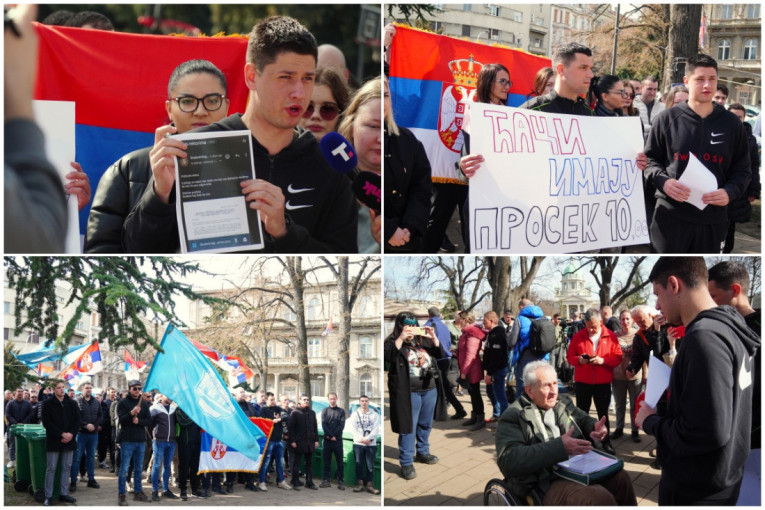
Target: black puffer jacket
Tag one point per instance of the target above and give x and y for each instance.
(304, 431)
(119, 190)
(90, 413)
(407, 185)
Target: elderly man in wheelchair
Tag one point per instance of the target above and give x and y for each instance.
(539, 431)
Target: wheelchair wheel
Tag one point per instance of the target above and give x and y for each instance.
(496, 494)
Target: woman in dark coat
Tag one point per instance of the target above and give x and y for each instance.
(414, 389)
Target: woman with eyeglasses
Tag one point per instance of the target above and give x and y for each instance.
(328, 102)
(608, 91)
(196, 97)
(628, 109)
(415, 390)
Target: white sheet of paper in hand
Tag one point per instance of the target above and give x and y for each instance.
(699, 179)
(658, 380)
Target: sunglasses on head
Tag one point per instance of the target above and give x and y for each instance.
(327, 111)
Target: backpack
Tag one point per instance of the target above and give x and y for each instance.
(541, 337)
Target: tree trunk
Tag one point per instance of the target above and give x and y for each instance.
(499, 281)
(297, 282)
(343, 378)
(528, 273)
(683, 41)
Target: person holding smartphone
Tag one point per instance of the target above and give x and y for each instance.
(415, 390)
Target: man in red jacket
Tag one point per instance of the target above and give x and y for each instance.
(594, 352)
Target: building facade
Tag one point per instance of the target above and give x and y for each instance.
(572, 295)
(734, 41)
(574, 22)
(521, 26)
(280, 348)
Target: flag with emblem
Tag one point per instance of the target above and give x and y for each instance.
(86, 364)
(433, 77)
(216, 456)
(133, 368)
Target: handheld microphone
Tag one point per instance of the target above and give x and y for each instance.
(367, 189)
(338, 152)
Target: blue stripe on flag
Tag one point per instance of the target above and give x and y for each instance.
(416, 102)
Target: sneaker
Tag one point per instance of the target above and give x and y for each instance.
(636, 437)
(617, 434)
(203, 494)
(297, 483)
(140, 496)
(230, 489)
(169, 495)
(325, 484)
(83, 478)
(11, 464)
(426, 458)
(313, 487)
(655, 464)
(492, 419)
(408, 472)
(609, 449)
(251, 487)
(371, 488)
(284, 485)
(47, 502)
(111, 469)
(262, 486)
(219, 490)
(73, 487)
(459, 415)
(93, 484)
(155, 496)
(184, 496)
(66, 498)
(103, 465)
(359, 487)
(341, 485)
(121, 500)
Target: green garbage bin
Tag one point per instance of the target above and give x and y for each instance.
(38, 461)
(378, 464)
(349, 461)
(23, 471)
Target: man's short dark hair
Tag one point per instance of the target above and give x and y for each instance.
(700, 60)
(279, 34)
(331, 393)
(270, 394)
(566, 53)
(690, 270)
(737, 106)
(363, 396)
(96, 19)
(508, 312)
(722, 88)
(556, 315)
(60, 17)
(649, 79)
(433, 311)
(726, 273)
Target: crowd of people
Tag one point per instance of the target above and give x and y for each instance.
(147, 435)
(518, 358)
(298, 92)
(672, 128)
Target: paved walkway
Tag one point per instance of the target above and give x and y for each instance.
(467, 460)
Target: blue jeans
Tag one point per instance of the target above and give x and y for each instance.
(493, 399)
(423, 407)
(519, 366)
(135, 451)
(365, 462)
(86, 444)
(163, 457)
(275, 450)
(498, 383)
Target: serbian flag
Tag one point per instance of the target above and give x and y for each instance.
(433, 76)
(44, 370)
(238, 372)
(703, 31)
(118, 83)
(329, 329)
(207, 351)
(215, 456)
(88, 363)
(132, 367)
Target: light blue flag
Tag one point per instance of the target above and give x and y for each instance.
(187, 377)
(48, 352)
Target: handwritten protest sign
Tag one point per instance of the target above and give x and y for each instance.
(554, 183)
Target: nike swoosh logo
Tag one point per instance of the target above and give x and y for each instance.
(291, 207)
(717, 134)
(744, 376)
(715, 143)
(290, 189)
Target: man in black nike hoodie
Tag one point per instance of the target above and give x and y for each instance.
(717, 139)
(703, 440)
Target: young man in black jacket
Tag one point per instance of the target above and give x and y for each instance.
(495, 361)
(333, 423)
(87, 438)
(61, 419)
(703, 439)
(275, 449)
(717, 139)
(304, 439)
(305, 206)
(134, 416)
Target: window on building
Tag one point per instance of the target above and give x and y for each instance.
(60, 299)
(518, 17)
(465, 30)
(723, 49)
(467, 7)
(289, 315)
(80, 325)
(6, 333)
(494, 10)
(313, 309)
(365, 347)
(314, 347)
(270, 351)
(7, 307)
(365, 385)
(317, 387)
(494, 34)
(726, 11)
(33, 338)
(753, 11)
(437, 26)
(750, 49)
(364, 307)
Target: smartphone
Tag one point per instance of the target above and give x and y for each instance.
(418, 331)
(586, 356)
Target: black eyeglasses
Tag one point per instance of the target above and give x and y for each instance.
(505, 83)
(327, 111)
(136, 388)
(189, 104)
